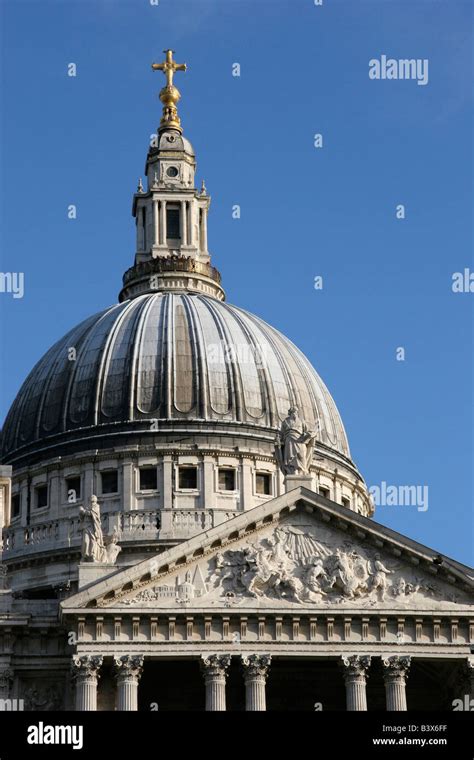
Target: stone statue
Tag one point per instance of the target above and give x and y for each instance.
(379, 577)
(93, 548)
(294, 445)
(112, 549)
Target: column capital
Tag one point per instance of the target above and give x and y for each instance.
(256, 665)
(6, 677)
(215, 665)
(355, 675)
(355, 665)
(396, 667)
(214, 668)
(469, 664)
(466, 676)
(128, 666)
(86, 665)
(85, 671)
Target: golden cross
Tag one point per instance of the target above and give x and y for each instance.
(169, 67)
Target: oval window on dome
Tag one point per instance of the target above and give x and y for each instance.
(172, 171)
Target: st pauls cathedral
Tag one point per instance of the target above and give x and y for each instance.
(184, 527)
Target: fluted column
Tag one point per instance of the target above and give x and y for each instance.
(255, 677)
(395, 674)
(128, 670)
(6, 680)
(140, 239)
(469, 668)
(355, 675)
(86, 673)
(204, 230)
(162, 237)
(215, 668)
(156, 223)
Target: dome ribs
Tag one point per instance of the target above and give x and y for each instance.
(186, 376)
(260, 325)
(339, 438)
(267, 404)
(137, 350)
(168, 356)
(152, 357)
(83, 387)
(150, 387)
(277, 341)
(74, 339)
(114, 373)
(200, 374)
(234, 374)
(245, 365)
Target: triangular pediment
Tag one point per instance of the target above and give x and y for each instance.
(297, 551)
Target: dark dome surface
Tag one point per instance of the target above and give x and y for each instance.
(170, 356)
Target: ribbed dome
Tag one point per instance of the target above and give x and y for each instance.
(170, 356)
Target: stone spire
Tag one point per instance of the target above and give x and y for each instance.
(170, 212)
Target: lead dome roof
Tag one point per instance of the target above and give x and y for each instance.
(170, 356)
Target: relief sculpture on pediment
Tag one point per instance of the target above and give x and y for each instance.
(299, 563)
(291, 564)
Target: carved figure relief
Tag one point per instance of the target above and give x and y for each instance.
(300, 563)
(42, 697)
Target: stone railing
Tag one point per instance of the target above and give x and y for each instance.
(164, 523)
(60, 533)
(136, 525)
(171, 264)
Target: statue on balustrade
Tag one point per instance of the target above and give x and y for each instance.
(93, 547)
(294, 445)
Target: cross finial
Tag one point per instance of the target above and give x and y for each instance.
(170, 94)
(168, 67)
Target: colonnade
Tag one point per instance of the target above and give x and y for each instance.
(160, 232)
(255, 667)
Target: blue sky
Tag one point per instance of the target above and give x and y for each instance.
(305, 211)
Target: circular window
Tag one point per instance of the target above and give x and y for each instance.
(172, 171)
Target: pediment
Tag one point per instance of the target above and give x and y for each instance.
(297, 551)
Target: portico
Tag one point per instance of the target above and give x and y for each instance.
(222, 608)
(256, 682)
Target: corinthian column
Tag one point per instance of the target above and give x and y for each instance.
(6, 680)
(355, 674)
(255, 677)
(214, 667)
(128, 670)
(204, 230)
(469, 673)
(86, 673)
(156, 223)
(395, 674)
(162, 223)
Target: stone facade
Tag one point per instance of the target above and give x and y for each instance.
(168, 514)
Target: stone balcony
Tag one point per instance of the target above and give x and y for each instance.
(171, 272)
(137, 526)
